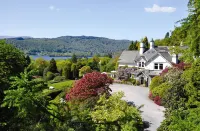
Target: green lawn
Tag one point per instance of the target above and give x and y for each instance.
(62, 85)
(59, 88)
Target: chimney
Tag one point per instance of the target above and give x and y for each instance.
(175, 58)
(152, 45)
(141, 48)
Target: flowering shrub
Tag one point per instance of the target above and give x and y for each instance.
(164, 72)
(157, 100)
(91, 85)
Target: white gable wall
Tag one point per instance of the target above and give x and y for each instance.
(159, 60)
(124, 64)
(141, 60)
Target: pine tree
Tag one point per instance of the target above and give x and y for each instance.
(53, 66)
(74, 58)
(167, 35)
(135, 45)
(131, 46)
(145, 41)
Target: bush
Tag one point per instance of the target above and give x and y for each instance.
(137, 83)
(161, 90)
(50, 76)
(157, 100)
(45, 72)
(124, 117)
(156, 81)
(91, 85)
(58, 79)
(133, 81)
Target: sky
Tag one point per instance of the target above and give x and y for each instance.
(116, 19)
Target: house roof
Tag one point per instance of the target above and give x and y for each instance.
(128, 56)
(166, 55)
(162, 49)
(150, 54)
(131, 57)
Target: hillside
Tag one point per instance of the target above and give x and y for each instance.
(67, 45)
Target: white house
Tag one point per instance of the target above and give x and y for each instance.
(148, 63)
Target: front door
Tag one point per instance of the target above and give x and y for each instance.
(142, 80)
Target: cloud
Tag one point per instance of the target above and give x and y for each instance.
(157, 8)
(53, 8)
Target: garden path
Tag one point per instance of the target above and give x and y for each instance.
(139, 95)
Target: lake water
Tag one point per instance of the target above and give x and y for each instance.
(49, 57)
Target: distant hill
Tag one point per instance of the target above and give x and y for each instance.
(67, 45)
(9, 37)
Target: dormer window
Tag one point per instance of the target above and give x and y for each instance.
(141, 64)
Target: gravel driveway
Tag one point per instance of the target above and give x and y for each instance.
(139, 95)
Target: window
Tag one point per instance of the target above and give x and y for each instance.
(142, 64)
(139, 64)
(156, 66)
(161, 66)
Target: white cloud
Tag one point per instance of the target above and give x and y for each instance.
(157, 8)
(53, 8)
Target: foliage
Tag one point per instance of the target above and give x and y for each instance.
(91, 85)
(40, 64)
(67, 70)
(74, 71)
(12, 62)
(94, 64)
(28, 60)
(24, 97)
(146, 43)
(161, 90)
(133, 81)
(58, 79)
(123, 117)
(182, 99)
(133, 45)
(53, 66)
(182, 120)
(157, 100)
(50, 76)
(137, 83)
(84, 70)
(167, 35)
(156, 81)
(74, 58)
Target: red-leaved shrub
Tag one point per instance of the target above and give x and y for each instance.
(181, 65)
(164, 71)
(157, 100)
(91, 85)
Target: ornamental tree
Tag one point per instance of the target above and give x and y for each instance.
(91, 85)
